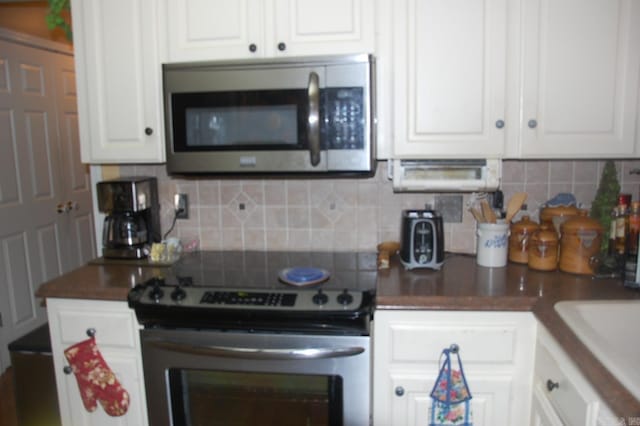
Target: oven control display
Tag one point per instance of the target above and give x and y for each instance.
(248, 298)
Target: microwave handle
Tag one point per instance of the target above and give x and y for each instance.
(257, 353)
(313, 121)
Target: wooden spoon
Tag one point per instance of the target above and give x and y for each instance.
(515, 204)
(487, 212)
(477, 214)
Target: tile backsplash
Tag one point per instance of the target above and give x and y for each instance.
(347, 214)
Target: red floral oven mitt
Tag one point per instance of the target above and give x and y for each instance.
(95, 379)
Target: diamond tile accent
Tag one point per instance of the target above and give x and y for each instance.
(241, 206)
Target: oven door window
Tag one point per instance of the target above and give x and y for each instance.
(249, 120)
(204, 397)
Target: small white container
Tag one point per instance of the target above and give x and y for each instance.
(492, 244)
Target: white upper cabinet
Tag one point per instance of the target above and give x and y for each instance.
(220, 29)
(580, 74)
(449, 78)
(118, 76)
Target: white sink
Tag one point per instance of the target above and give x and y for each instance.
(610, 329)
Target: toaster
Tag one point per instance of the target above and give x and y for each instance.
(422, 239)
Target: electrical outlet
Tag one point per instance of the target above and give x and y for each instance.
(181, 205)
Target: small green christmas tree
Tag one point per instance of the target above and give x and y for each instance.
(606, 199)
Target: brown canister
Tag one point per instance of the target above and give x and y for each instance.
(543, 249)
(555, 216)
(580, 242)
(520, 234)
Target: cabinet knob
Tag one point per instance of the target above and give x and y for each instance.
(551, 385)
(253, 47)
(148, 131)
(282, 47)
(500, 124)
(532, 124)
(91, 332)
(399, 390)
(67, 369)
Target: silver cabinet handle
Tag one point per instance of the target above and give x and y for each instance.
(532, 124)
(399, 390)
(500, 124)
(313, 123)
(258, 353)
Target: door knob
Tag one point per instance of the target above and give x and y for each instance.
(551, 385)
(253, 47)
(500, 124)
(148, 131)
(532, 124)
(399, 390)
(62, 208)
(282, 47)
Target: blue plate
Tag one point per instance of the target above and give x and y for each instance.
(302, 276)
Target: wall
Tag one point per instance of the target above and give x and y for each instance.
(347, 214)
(29, 18)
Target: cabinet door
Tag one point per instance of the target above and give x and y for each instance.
(411, 399)
(119, 90)
(542, 412)
(449, 78)
(117, 340)
(201, 30)
(580, 77)
(310, 27)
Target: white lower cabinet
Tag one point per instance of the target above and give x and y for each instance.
(561, 394)
(118, 341)
(496, 349)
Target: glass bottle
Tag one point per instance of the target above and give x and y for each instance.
(622, 228)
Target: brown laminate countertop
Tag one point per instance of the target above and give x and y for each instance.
(462, 285)
(99, 281)
(459, 285)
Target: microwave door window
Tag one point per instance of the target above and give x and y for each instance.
(250, 126)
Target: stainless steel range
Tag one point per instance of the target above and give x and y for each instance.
(259, 338)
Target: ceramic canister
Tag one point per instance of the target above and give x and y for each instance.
(580, 242)
(555, 216)
(543, 249)
(519, 239)
(492, 244)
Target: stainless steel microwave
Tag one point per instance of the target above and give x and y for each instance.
(309, 116)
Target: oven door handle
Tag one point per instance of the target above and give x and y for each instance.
(258, 353)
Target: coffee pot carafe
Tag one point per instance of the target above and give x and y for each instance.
(132, 220)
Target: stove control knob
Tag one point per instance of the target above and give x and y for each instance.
(320, 298)
(178, 294)
(345, 298)
(156, 293)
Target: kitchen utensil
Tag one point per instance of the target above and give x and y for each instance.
(487, 212)
(515, 204)
(422, 239)
(580, 242)
(521, 232)
(477, 214)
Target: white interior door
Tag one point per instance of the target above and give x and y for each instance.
(39, 175)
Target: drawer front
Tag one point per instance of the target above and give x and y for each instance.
(569, 403)
(114, 328)
(489, 343)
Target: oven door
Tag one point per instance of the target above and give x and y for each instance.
(223, 378)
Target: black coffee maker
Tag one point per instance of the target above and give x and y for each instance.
(132, 223)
